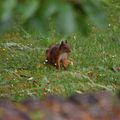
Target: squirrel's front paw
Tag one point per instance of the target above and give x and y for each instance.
(46, 61)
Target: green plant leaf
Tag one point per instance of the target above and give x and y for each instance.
(49, 8)
(7, 7)
(96, 13)
(66, 20)
(28, 8)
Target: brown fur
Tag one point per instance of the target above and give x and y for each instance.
(57, 55)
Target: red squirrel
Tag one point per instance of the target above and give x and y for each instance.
(57, 55)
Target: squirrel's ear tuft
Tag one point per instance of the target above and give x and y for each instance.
(62, 42)
(66, 41)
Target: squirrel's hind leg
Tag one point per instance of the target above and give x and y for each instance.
(58, 64)
(65, 64)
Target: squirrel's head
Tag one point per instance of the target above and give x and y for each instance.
(64, 47)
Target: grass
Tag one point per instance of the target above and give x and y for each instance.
(22, 54)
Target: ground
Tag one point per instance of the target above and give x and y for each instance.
(22, 55)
